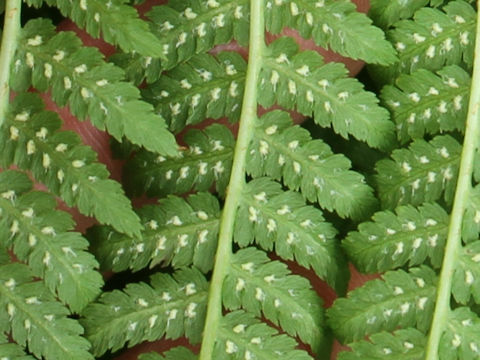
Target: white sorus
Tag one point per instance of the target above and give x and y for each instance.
(48, 70)
(35, 41)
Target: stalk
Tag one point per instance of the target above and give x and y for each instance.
(237, 179)
(464, 185)
(11, 29)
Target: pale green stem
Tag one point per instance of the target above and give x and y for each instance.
(464, 184)
(11, 29)
(237, 179)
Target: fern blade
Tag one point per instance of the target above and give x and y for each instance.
(423, 172)
(400, 299)
(38, 234)
(171, 306)
(244, 336)
(300, 81)
(260, 286)
(92, 88)
(35, 319)
(58, 159)
(391, 240)
(177, 232)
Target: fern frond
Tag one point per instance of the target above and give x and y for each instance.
(29, 312)
(79, 76)
(399, 299)
(178, 353)
(433, 39)
(178, 232)
(242, 336)
(39, 235)
(421, 103)
(204, 87)
(391, 240)
(12, 351)
(288, 152)
(117, 23)
(301, 81)
(186, 28)
(31, 139)
(274, 218)
(421, 173)
(342, 29)
(208, 159)
(385, 13)
(466, 278)
(261, 286)
(171, 306)
(460, 339)
(407, 344)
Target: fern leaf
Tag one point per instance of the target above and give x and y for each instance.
(301, 81)
(261, 286)
(466, 278)
(79, 76)
(39, 235)
(186, 28)
(177, 232)
(118, 23)
(30, 138)
(471, 219)
(207, 159)
(421, 173)
(407, 344)
(273, 217)
(30, 313)
(204, 87)
(433, 39)
(178, 353)
(242, 336)
(460, 339)
(342, 29)
(12, 351)
(391, 240)
(421, 103)
(171, 306)
(399, 299)
(285, 152)
(385, 13)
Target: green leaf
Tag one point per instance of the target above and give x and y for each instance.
(301, 81)
(391, 240)
(385, 13)
(274, 218)
(241, 336)
(421, 103)
(471, 219)
(79, 76)
(35, 320)
(407, 344)
(261, 286)
(342, 28)
(207, 159)
(39, 235)
(399, 299)
(204, 87)
(172, 306)
(32, 140)
(460, 339)
(178, 232)
(288, 152)
(432, 40)
(421, 173)
(117, 23)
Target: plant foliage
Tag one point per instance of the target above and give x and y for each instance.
(249, 213)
